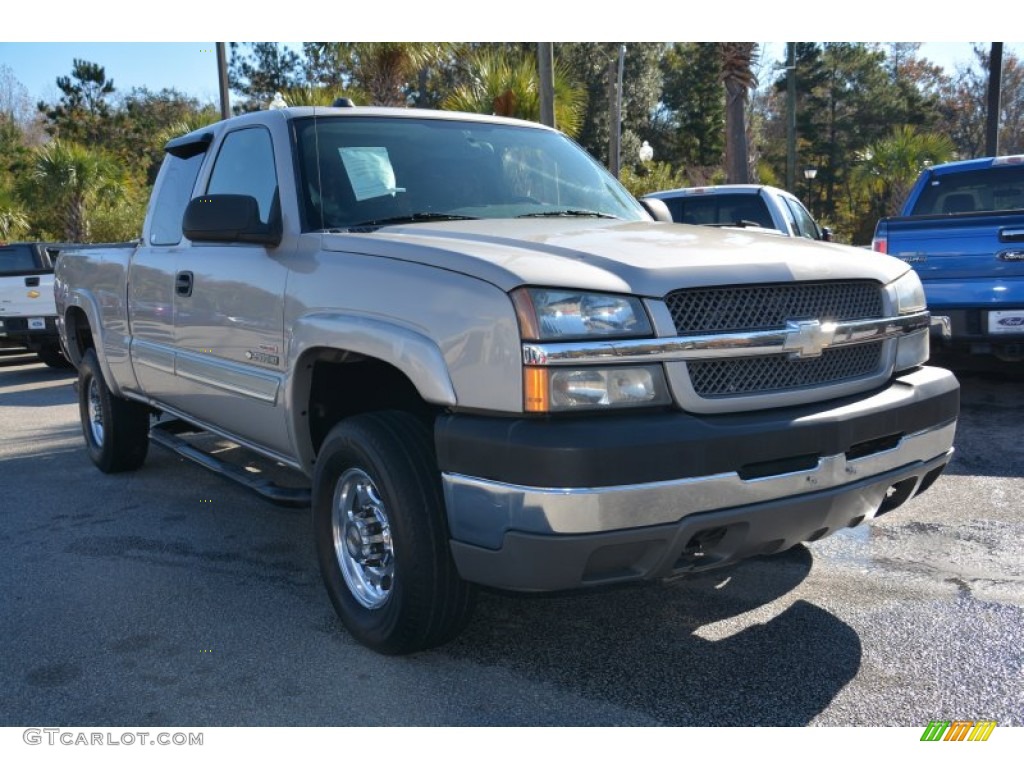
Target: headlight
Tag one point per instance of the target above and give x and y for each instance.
(912, 350)
(550, 315)
(910, 294)
(565, 389)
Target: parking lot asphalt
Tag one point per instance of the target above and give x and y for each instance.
(169, 596)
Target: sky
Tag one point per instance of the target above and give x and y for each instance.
(192, 67)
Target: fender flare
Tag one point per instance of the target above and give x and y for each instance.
(412, 353)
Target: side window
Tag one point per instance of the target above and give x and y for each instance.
(805, 226)
(245, 166)
(179, 177)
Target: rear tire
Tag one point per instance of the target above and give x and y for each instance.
(116, 430)
(53, 357)
(382, 535)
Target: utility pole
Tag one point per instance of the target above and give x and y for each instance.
(546, 72)
(222, 78)
(995, 77)
(615, 71)
(791, 118)
(225, 96)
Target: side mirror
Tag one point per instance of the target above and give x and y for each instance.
(230, 219)
(826, 234)
(657, 209)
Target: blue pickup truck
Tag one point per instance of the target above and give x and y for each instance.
(962, 230)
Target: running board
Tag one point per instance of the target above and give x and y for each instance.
(165, 433)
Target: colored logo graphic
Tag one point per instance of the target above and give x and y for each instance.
(958, 730)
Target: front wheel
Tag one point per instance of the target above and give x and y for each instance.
(382, 537)
(116, 430)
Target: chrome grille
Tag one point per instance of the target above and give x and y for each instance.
(749, 375)
(737, 309)
(767, 307)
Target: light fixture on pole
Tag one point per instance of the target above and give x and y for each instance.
(810, 173)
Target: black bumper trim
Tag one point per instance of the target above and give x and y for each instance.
(601, 450)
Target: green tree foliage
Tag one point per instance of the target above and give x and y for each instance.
(83, 109)
(588, 65)
(691, 123)
(70, 181)
(506, 83)
(259, 70)
(138, 130)
(888, 167)
(387, 74)
(651, 177)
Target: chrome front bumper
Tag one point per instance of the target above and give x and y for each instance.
(514, 534)
(597, 510)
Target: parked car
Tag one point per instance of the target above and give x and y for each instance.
(27, 311)
(492, 366)
(742, 205)
(962, 231)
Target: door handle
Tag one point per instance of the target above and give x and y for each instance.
(31, 282)
(183, 283)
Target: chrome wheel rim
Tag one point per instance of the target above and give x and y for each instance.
(95, 412)
(362, 539)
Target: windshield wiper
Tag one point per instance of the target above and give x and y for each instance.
(409, 219)
(744, 223)
(569, 212)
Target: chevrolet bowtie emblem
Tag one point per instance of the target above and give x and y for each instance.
(807, 338)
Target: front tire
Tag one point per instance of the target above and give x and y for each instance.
(116, 430)
(382, 536)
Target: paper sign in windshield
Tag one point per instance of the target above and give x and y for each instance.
(369, 171)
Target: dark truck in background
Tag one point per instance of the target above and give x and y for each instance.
(27, 310)
(962, 230)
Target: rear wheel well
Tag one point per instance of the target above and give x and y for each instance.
(78, 334)
(344, 384)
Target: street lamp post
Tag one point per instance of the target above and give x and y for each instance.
(810, 173)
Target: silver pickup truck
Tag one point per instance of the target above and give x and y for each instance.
(492, 365)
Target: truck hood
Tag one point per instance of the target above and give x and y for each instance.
(639, 258)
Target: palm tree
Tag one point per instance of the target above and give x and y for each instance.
(889, 166)
(73, 179)
(384, 70)
(508, 84)
(320, 95)
(738, 60)
(13, 219)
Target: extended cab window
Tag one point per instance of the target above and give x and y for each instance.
(245, 166)
(178, 177)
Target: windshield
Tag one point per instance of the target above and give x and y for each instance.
(362, 172)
